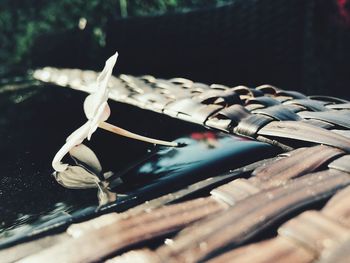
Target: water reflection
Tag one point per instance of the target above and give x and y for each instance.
(26, 222)
(206, 153)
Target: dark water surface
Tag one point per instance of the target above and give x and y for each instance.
(34, 123)
(35, 120)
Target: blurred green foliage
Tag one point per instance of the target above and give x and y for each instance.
(22, 21)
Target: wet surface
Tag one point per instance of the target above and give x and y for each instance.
(206, 153)
(34, 123)
(35, 120)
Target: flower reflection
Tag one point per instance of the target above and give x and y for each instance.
(209, 138)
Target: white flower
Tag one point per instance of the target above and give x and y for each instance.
(96, 110)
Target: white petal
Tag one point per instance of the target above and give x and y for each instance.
(103, 78)
(74, 139)
(83, 154)
(76, 177)
(80, 133)
(102, 115)
(90, 104)
(94, 101)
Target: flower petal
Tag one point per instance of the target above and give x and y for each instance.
(80, 133)
(94, 101)
(89, 106)
(103, 78)
(76, 177)
(102, 115)
(84, 156)
(74, 139)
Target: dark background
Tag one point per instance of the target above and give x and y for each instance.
(294, 44)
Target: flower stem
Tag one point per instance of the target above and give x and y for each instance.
(111, 128)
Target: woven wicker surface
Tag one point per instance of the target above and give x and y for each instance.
(261, 216)
(286, 118)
